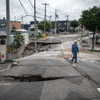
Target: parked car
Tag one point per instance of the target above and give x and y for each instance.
(91, 35)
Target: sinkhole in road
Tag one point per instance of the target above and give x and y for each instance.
(29, 78)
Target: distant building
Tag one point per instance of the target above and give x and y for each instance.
(13, 25)
(32, 22)
(61, 26)
(25, 26)
(2, 24)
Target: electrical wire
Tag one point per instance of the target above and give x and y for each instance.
(23, 7)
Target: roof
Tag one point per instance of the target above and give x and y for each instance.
(3, 33)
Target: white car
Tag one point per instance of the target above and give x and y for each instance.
(91, 34)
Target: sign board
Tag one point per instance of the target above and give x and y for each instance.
(9, 49)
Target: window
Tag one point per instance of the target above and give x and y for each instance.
(3, 25)
(2, 42)
(65, 23)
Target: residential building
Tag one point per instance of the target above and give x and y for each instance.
(61, 26)
(25, 26)
(2, 24)
(32, 22)
(13, 25)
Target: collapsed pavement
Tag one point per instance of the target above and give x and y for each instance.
(71, 85)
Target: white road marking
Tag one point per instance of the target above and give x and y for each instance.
(98, 89)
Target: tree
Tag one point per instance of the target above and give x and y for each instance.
(74, 24)
(18, 39)
(91, 20)
(41, 25)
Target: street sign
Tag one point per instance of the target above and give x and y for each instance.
(9, 49)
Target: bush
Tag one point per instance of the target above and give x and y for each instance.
(93, 50)
(83, 41)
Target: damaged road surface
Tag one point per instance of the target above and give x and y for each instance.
(30, 78)
(46, 76)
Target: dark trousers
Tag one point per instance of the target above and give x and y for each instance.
(74, 56)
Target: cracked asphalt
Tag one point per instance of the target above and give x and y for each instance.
(74, 85)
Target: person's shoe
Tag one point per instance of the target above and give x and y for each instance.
(76, 62)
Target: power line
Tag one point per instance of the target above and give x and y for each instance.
(23, 7)
(11, 8)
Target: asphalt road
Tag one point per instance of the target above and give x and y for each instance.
(71, 85)
(91, 68)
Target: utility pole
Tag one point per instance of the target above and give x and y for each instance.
(50, 21)
(67, 23)
(8, 30)
(15, 18)
(35, 22)
(55, 20)
(56, 16)
(22, 21)
(50, 18)
(45, 17)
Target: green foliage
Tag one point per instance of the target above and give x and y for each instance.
(83, 41)
(18, 39)
(37, 38)
(74, 23)
(41, 25)
(93, 50)
(90, 18)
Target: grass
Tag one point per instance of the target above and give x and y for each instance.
(37, 38)
(93, 50)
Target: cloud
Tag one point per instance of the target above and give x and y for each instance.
(73, 8)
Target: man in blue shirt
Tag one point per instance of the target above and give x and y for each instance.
(75, 50)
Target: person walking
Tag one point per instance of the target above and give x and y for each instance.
(75, 50)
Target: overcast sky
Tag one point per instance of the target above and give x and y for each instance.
(73, 8)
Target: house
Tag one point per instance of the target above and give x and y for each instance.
(2, 24)
(13, 25)
(3, 37)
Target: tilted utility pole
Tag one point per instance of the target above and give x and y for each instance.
(67, 22)
(45, 17)
(35, 22)
(8, 30)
